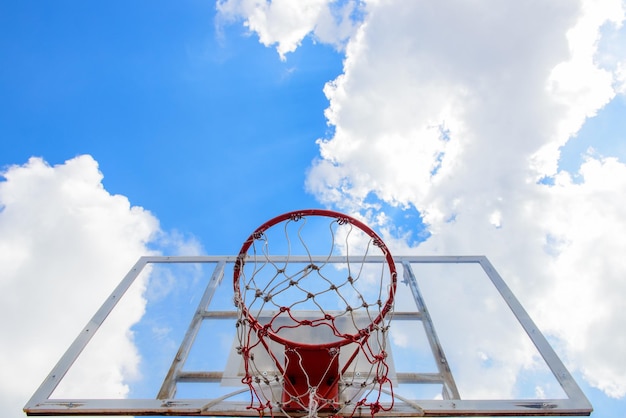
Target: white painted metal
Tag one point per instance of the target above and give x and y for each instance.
(165, 403)
(449, 389)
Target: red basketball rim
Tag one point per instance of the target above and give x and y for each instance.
(241, 259)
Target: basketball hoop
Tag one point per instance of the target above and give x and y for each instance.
(313, 336)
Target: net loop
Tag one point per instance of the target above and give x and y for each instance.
(296, 216)
(343, 220)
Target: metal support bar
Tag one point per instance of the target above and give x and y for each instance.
(449, 389)
(60, 369)
(168, 389)
(553, 361)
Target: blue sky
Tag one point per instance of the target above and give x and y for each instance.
(196, 122)
(178, 115)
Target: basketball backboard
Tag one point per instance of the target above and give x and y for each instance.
(458, 344)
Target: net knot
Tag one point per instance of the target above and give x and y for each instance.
(375, 408)
(264, 332)
(364, 332)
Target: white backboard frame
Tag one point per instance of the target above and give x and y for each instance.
(574, 403)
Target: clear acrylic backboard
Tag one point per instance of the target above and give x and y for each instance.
(459, 344)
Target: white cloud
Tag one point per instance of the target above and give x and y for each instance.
(457, 109)
(65, 243)
(620, 78)
(585, 302)
(399, 92)
(579, 84)
(286, 23)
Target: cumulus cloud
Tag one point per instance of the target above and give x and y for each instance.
(459, 121)
(457, 111)
(286, 23)
(583, 306)
(65, 243)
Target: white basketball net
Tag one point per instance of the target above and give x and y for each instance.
(313, 333)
